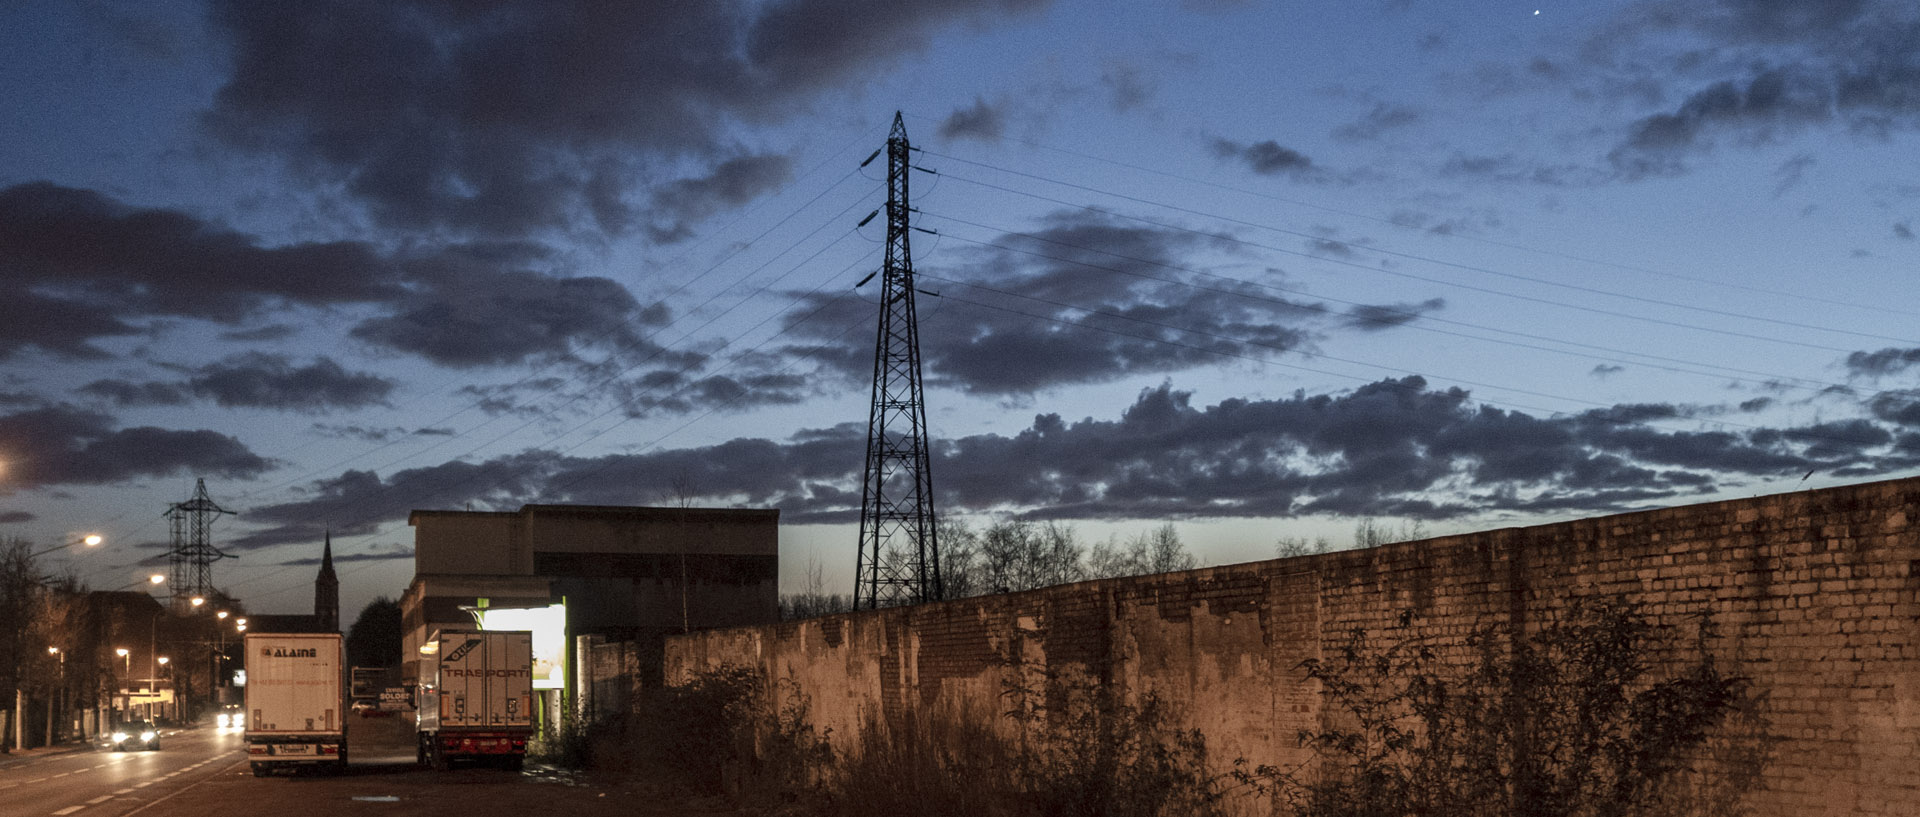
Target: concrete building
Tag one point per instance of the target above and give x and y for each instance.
(612, 573)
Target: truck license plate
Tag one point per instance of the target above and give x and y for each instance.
(294, 749)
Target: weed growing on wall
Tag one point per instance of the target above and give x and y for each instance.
(729, 731)
(1565, 723)
(1073, 748)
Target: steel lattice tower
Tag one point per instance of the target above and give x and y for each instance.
(190, 557)
(899, 560)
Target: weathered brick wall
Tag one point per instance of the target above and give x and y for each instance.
(1816, 598)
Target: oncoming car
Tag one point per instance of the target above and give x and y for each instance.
(230, 720)
(136, 735)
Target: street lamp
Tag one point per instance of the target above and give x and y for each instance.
(58, 693)
(90, 540)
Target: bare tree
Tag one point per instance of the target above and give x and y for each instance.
(1290, 546)
(960, 563)
(1019, 555)
(813, 600)
(1156, 551)
(1371, 532)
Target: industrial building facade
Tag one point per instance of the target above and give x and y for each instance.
(612, 573)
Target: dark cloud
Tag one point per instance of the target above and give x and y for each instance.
(1127, 86)
(1086, 298)
(15, 517)
(1375, 317)
(260, 334)
(1903, 230)
(675, 393)
(1901, 407)
(62, 445)
(80, 266)
(977, 121)
(379, 553)
(1775, 98)
(679, 205)
(467, 309)
(128, 393)
(1769, 67)
(1379, 119)
(502, 119)
(1606, 369)
(1268, 158)
(1330, 248)
(1513, 169)
(360, 432)
(1883, 362)
(1387, 448)
(257, 380)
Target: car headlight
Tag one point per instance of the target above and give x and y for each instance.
(119, 737)
(149, 735)
(222, 720)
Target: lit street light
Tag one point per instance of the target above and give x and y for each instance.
(90, 540)
(59, 692)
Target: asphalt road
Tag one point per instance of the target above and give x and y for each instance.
(203, 772)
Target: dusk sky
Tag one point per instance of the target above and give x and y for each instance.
(1257, 269)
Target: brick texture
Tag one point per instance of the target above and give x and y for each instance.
(1815, 597)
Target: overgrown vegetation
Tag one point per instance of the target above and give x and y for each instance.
(1072, 748)
(1565, 723)
(1572, 720)
(727, 731)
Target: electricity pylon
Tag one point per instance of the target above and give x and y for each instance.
(191, 554)
(899, 561)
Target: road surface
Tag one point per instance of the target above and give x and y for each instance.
(203, 772)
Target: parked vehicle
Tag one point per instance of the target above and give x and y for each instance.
(135, 735)
(476, 697)
(296, 701)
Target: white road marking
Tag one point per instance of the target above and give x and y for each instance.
(67, 810)
(143, 785)
(123, 791)
(101, 799)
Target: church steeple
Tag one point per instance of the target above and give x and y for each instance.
(326, 590)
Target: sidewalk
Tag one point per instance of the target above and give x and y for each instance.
(18, 756)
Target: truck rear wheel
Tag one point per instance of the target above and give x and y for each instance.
(259, 770)
(439, 755)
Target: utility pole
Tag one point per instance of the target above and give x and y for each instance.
(190, 557)
(899, 558)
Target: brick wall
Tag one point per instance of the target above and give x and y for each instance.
(1816, 598)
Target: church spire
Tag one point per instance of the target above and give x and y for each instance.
(326, 590)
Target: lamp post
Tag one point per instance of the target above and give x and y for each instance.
(58, 693)
(90, 540)
(126, 661)
(170, 685)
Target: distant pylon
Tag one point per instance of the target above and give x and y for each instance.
(191, 554)
(899, 560)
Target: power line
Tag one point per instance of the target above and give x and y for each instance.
(1429, 260)
(1411, 316)
(1796, 296)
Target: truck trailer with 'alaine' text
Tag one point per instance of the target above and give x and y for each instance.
(476, 697)
(296, 701)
